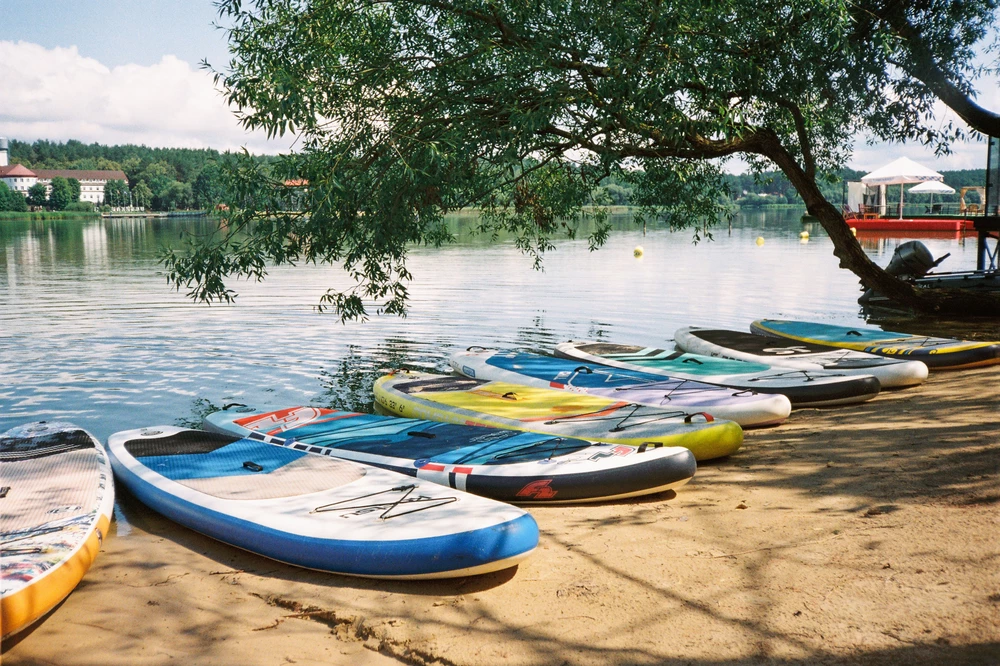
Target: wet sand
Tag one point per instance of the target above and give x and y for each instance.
(856, 535)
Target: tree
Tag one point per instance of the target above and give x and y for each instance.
(177, 196)
(38, 194)
(16, 202)
(141, 195)
(409, 108)
(5, 199)
(61, 194)
(207, 188)
(116, 193)
(74, 187)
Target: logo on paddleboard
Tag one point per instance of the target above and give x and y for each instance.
(540, 489)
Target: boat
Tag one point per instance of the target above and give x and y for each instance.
(912, 261)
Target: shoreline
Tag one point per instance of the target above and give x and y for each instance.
(855, 535)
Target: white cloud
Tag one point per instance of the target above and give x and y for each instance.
(965, 154)
(57, 94)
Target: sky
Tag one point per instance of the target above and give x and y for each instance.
(117, 71)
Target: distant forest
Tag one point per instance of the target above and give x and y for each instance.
(772, 187)
(187, 178)
(158, 178)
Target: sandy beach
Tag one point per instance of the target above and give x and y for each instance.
(858, 535)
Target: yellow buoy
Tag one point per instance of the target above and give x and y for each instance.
(760, 241)
(804, 234)
(637, 252)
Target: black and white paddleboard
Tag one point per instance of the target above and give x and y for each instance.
(506, 465)
(722, 343)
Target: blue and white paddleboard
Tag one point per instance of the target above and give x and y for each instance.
(506, 465)
(748, 408)
(936, 353)
(805, 388)
(722, 343)
(318, 512)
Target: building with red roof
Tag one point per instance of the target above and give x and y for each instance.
(20, 179)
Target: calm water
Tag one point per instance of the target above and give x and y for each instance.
(90, 332)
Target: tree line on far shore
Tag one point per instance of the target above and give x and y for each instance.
(159, 179)
(164, 179)
(773, 188)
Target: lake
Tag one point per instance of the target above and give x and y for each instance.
(91, 333)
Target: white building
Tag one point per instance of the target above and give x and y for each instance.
(20, 179)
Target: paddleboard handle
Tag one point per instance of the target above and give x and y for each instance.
(857, 333)
(690, 417)
(584, 368)
(475, 347)
(252, 466)
(232, 404)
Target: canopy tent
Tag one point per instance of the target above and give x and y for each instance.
(900, 172)
(932, 187)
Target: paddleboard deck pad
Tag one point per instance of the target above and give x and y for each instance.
(454, 399)
(722, 343)
(57, 497)
(266, 497)
(804, 388)
(748, 408)
(506, 465)
(936, 353)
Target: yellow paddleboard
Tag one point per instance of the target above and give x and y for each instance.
(58, 497)
(453, 399)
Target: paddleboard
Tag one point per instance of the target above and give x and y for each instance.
(317, 512)
(722, 343)
(805, 388)
(748, 408)
(57, 497)
(936, 353)
(455, 399)
(506, 465)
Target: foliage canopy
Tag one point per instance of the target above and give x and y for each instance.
(406, 109)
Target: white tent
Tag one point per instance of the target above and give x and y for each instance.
(932, 187)
(900, 172)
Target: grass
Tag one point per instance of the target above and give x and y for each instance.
(45, 215)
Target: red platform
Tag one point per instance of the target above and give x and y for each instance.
(912, 224)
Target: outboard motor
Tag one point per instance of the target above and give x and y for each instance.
(910, 261)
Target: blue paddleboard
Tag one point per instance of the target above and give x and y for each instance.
(317, 512)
